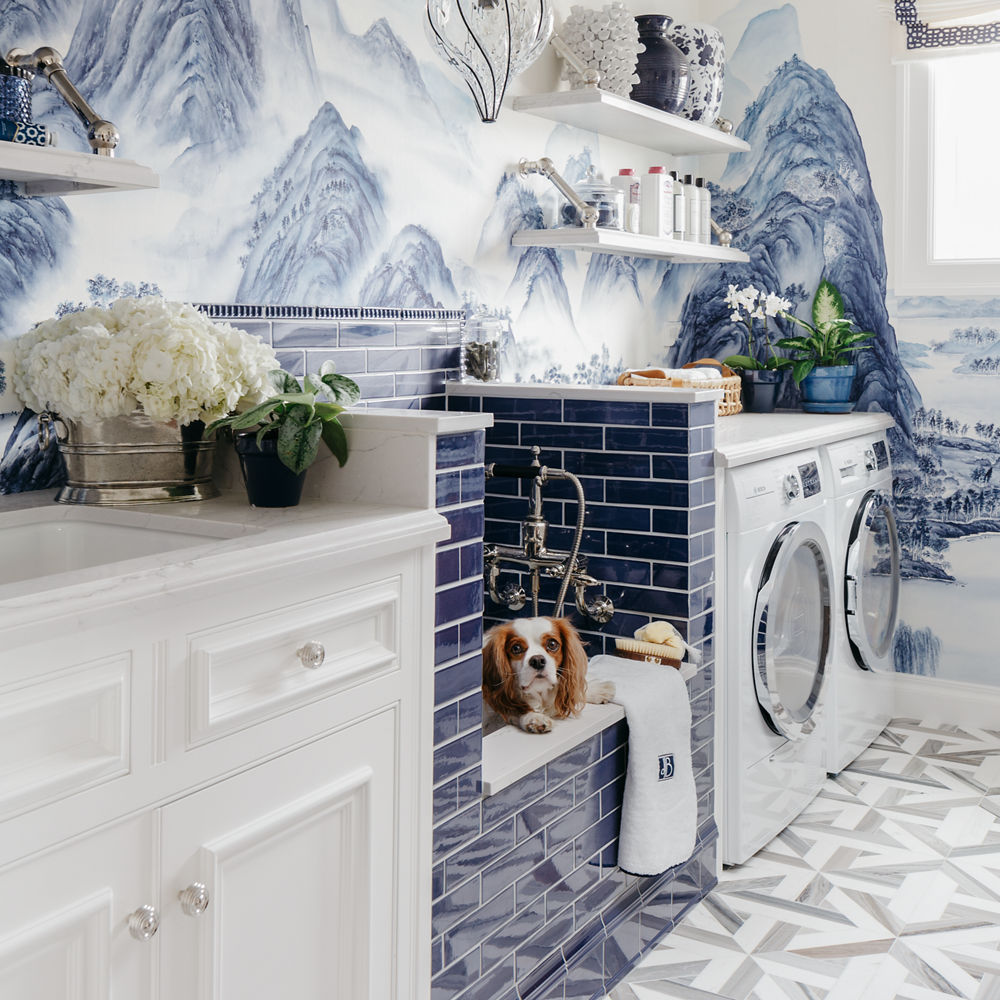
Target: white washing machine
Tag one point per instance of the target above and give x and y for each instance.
(776, 642)
(866, 568)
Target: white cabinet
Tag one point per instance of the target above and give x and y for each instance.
(64, 918)
(296, 859)
(249, 756)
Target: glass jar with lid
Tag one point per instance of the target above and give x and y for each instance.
(595, 191)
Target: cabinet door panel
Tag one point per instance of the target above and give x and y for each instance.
(298, 858)
(64, 919)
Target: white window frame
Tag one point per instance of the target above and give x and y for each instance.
(916, 271)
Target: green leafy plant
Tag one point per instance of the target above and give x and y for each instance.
(301, 414)
(831, 336)
(748, 304)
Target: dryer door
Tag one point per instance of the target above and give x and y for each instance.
(871, 581)
(792, 618)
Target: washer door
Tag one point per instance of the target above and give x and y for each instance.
(871, 581)
(791, 623)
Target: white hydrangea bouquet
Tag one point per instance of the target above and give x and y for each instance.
(164, 358)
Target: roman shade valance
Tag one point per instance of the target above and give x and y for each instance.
(937, 24)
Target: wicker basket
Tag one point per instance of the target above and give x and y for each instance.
(728, 381)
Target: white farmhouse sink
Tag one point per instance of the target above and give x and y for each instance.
(47, 540)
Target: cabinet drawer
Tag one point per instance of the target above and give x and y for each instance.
(263, 665)
(65, 733)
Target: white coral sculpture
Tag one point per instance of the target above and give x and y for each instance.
(606, 40)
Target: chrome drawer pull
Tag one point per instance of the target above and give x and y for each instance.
(194, 899)
(312, 655)
(143, 923)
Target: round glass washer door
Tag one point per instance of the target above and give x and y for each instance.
(791, 623)
(871, 581)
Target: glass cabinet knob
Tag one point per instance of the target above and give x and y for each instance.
(312, 655)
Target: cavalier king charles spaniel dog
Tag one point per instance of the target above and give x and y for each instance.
(534, 671)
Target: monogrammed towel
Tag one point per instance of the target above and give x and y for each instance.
(659, 808)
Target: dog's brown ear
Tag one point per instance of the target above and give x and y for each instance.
(501, 690)
(571, 692)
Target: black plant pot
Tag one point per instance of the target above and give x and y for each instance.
(760, 390)
(269, 482)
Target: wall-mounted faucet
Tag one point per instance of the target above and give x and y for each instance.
(101, 134)
(534, 555)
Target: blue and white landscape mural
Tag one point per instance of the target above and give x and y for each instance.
(316, 153)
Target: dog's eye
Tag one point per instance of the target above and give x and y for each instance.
(516, 649)
(551, 645)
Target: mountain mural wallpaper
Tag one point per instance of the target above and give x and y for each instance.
(344, 165)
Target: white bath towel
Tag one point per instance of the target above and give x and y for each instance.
(659, 808)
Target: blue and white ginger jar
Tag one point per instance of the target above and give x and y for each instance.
(705, 50)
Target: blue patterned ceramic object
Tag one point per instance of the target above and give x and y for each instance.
(705, 50)
(664, 76)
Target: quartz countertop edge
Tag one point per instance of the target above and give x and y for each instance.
(755, 437)
(263, 538)
(617, 393)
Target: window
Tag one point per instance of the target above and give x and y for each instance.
(948, 212)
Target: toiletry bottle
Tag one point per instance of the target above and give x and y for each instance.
(706, 210)
(680, 208)
(629, 185)
(657, 203)
(693, 195)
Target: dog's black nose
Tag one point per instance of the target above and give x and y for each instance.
(537, 663)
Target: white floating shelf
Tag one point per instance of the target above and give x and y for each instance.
(627, 245)
(620, 118)
(42, 171)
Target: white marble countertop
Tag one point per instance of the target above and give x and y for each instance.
(754, 437)
(383, 500)
(617, 393)
(253, 539)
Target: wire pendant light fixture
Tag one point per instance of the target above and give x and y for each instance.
(488, 42)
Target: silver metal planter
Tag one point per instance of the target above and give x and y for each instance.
(130, 460)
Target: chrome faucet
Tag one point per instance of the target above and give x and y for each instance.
(101, 134)
(534, 555)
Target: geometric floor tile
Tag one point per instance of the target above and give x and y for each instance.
(886, 886)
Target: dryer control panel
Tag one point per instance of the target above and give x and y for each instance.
(856, 463)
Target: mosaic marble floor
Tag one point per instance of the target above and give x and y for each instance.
(887, 886)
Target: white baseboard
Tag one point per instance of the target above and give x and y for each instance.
(954, 703)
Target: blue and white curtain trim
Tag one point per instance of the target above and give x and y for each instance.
(938, 24)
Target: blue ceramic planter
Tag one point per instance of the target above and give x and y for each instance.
(828, 390)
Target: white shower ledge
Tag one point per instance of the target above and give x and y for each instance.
(511, 754)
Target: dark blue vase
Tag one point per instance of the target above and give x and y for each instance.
(663, 70)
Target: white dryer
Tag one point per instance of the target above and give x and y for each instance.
(866, 566)
(776, 645)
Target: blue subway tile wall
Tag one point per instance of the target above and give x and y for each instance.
(578, 923)
(399, 357)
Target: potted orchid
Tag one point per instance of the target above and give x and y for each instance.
(760, 378)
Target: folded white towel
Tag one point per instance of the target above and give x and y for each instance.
(659, 807)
